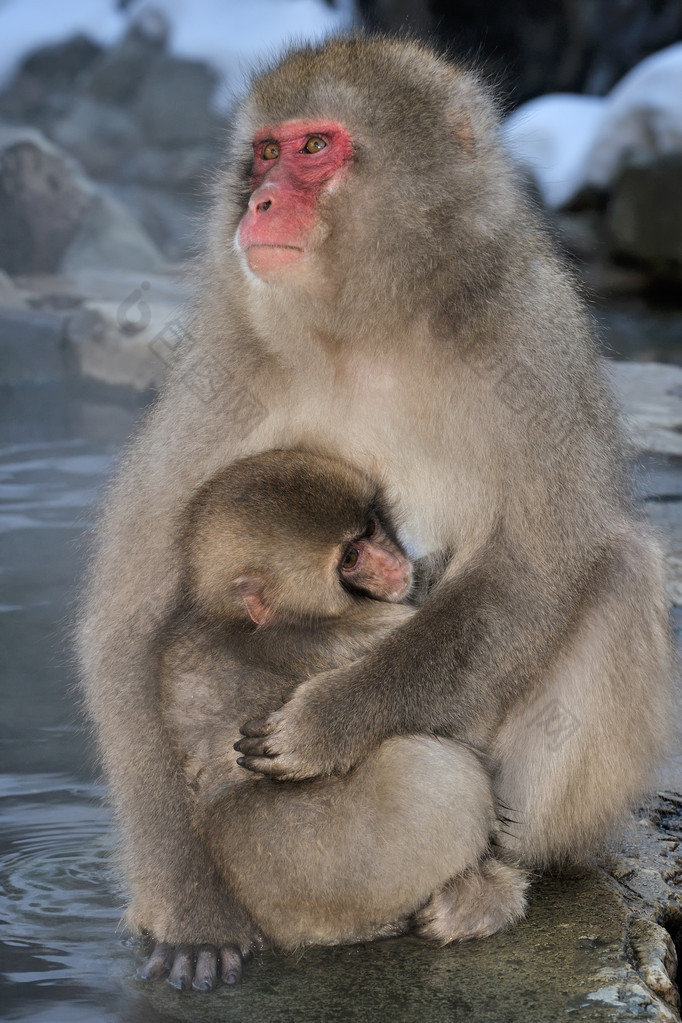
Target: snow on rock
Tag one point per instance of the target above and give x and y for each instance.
(568, 142)
(643, 115)
(551, 136)
(228, 34)
(233, 35)
(28, 24)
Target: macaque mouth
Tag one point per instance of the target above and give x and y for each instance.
(266, 259)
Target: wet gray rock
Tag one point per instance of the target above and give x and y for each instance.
(170, 219)
(650, 395)
(108, 237)
(46, 76)
(11, 297)
(118, 74)
(103, 351)
(645, 213)
(120, 327)
(60, 64)
(43, 199)
(131, 115)
(34, 347)
(184, 169)
(52, 217)
(174, 102)
(101, 136)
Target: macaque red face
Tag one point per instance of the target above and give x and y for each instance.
(293, 163)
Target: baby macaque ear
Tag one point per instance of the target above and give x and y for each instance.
(252, 590)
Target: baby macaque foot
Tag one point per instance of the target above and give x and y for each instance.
(481, 901)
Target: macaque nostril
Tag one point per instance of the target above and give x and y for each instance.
(263, 206)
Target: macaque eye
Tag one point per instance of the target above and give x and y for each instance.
(314, 144)
(350, 558)
(270, 151)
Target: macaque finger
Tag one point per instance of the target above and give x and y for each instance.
(159, 962)
(257, 728)
(230, 964)
(206, 969)
(280, 767)
(182, 970)
(263, 765)
(257, 747)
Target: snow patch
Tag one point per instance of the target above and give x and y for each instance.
(228, 34)
(567, 142)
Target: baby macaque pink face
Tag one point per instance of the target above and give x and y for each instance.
(374, 565)
(293, 163)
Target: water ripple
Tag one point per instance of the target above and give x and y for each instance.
(59, 907)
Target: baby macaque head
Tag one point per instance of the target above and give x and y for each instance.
(289, 536)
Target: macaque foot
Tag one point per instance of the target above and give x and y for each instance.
(393, 930)
(195, 966)
(475, 904)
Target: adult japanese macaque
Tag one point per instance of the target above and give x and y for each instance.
(376, 288)
(282, 555)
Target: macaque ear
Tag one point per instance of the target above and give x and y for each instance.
(463, 131)
(252, 590)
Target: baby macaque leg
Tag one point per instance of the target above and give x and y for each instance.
(352, 858)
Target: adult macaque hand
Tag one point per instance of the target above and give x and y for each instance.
(296, 742)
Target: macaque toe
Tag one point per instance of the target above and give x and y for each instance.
(231, 962)
(206, 969)
(158, 964)
(182, 970)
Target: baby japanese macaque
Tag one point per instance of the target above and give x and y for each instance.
(292, 568)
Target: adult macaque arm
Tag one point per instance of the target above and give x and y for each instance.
(450, 670)
(176, 896)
